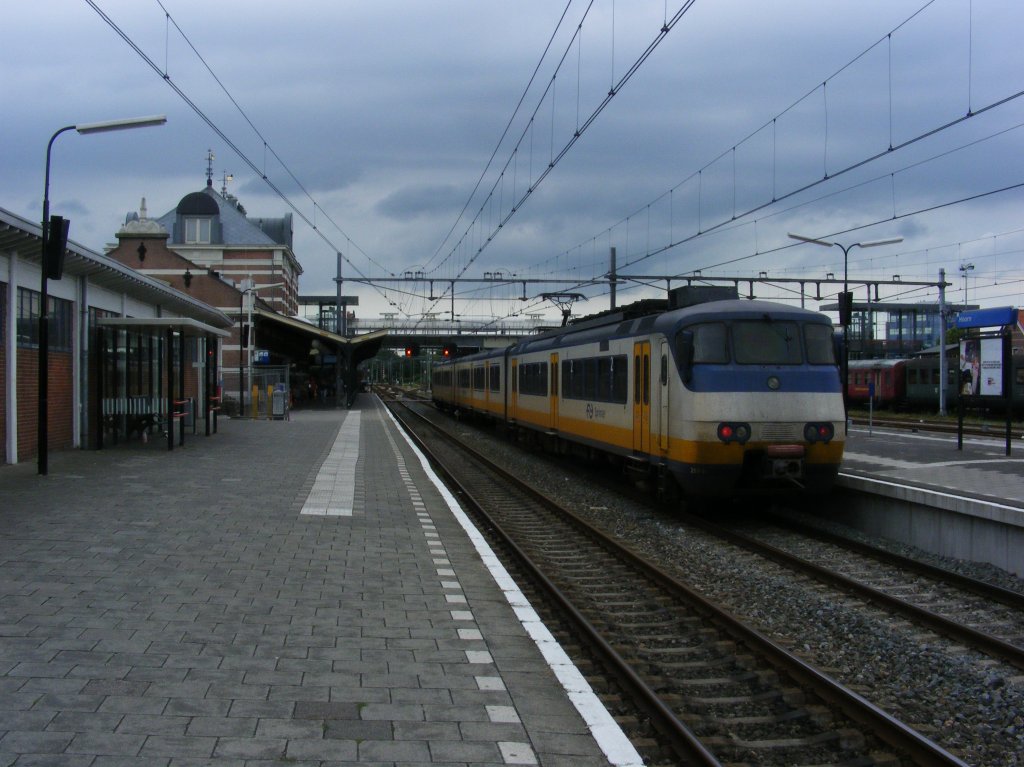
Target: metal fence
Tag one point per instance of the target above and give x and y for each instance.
(266, 379)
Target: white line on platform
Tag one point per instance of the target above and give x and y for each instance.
(335, 484)
(605, 730)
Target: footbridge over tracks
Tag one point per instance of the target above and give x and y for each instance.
(436, 333)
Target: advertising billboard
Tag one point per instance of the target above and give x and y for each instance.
(981, 367)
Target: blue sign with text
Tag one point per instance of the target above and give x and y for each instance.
(987, 318)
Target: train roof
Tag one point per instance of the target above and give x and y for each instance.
(876, 364)
(618, 324)
(667, 322)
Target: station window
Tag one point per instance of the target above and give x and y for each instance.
(60, 325)
(197, 230)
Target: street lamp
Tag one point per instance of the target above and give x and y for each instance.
(845, 300)
(249, 334)
(964, 269)
(44, 334)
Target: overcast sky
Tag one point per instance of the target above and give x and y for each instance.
(385, 115)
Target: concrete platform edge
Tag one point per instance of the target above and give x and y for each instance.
(605, 730)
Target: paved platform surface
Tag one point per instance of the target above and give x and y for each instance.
(981, 471)
(294, 593)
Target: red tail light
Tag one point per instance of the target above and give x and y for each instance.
(734, 432)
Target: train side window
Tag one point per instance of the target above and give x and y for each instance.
(935, 376)
(912, 376)
(604, 379)
(820, 349)
(647, 379)
(664, 369)
(636, 379)
(709, 343)
(620, 378)
(495, 377)
(590, 378)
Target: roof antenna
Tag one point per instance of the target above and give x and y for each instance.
(224, 184)
(209, 168)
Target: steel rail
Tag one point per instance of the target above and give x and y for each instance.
(991, 591)
(683, 740)
(897, 734)
(979, 640)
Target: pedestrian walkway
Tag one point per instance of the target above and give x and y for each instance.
(981, 471)
(289, 592)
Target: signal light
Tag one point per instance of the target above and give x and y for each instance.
(412, 350)
(56, 244)
(449, 351)
(845, 307)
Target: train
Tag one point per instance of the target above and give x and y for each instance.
(723, 398)
(913, 383)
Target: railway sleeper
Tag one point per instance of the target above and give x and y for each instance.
(845, 739)
(820, 716)
(766, 678)
(699, 664)
(791, 696)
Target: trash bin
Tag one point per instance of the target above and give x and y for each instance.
(279, 403)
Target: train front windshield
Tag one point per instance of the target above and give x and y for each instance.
(757, 342)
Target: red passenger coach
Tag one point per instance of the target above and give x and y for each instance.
(888, 376)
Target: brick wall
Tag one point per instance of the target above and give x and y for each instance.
(60, 424)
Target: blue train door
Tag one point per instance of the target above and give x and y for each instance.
(642, 397)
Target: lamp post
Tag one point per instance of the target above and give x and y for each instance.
(42, 437)
(249, 335)
(845, 301)
(964, 269)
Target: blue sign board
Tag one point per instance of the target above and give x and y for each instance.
(987, 318)
(261, 357)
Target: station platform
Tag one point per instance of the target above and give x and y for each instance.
(980, 472)
(963, 504)
(299, 592)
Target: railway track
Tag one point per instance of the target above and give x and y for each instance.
(985, 617)
(716, 690)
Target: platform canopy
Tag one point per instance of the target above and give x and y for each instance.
(184, 325)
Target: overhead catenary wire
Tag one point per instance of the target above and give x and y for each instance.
(260, 173)
(512, 162)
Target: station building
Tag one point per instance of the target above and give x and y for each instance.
(123, 347)
(208, 247)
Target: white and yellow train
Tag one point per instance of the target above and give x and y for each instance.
(720, 398)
